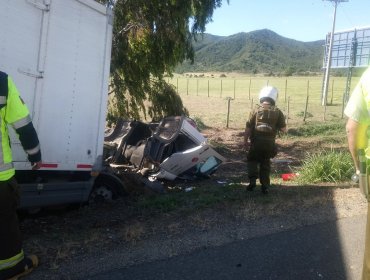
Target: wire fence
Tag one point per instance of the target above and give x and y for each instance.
(228, 101)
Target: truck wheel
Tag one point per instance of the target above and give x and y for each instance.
(106, 188)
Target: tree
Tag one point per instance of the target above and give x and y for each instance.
(149, 39)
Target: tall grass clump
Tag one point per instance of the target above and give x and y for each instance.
(200, 124)
(319, 129)
(326, 166)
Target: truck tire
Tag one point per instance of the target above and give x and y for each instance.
(107, 187)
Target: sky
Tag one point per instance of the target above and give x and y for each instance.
(302, 20)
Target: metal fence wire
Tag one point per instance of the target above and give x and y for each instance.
(228, 101)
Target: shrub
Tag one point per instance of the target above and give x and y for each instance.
(200, 124)
(326, 166)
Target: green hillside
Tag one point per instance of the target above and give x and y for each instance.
(261, 51)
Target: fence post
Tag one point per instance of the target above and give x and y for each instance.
(305, 110)
(177, 85)
(228, 111)
(285, 90)
(187, 86)
(208, 88)
(249, 90)
(221, 90)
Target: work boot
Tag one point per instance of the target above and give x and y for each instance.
(251, 186)
(21, 269)
(264, 189)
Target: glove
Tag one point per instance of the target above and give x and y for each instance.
(36, 165)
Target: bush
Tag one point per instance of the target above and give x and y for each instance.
(200, 124)
(326, 166)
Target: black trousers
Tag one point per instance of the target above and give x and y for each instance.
(259, 169)
(258, 159)
(10, 235)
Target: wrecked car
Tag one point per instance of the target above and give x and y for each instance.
(171, 149)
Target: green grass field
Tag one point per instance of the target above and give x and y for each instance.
(206, 97)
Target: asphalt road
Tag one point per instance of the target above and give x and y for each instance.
(331, 250)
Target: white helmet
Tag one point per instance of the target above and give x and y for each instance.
(269, 91)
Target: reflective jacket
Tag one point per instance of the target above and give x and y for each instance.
(14, 112)
(358, 107)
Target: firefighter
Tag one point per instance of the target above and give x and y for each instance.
(357, 128)
(13, 112)
(259, 138)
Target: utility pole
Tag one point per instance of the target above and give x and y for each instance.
(328, 59)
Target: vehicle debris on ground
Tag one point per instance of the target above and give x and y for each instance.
(171, 149)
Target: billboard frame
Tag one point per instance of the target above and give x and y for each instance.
(349, 49)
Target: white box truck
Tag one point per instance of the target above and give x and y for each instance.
(58, 54)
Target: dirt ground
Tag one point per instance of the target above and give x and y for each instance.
(77, 237)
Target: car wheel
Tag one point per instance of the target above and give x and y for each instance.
(106, 188)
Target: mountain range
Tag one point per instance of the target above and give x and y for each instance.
(260, 51)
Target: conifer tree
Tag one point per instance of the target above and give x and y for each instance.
(151, 37)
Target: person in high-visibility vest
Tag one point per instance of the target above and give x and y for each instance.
(358, 112)
(13, 112)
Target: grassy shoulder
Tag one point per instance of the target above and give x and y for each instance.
(217, 204)
(316, 151)
(329, 160)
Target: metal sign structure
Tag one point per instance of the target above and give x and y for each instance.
(350, 49)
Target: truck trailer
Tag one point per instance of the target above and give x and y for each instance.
(58, 54)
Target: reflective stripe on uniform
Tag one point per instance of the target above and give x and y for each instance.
(2, 100)
(22, 122)
(6, 166)
(8, 263)
(33, 151)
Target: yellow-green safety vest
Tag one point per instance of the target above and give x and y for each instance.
(358, 109)
(14, 112)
